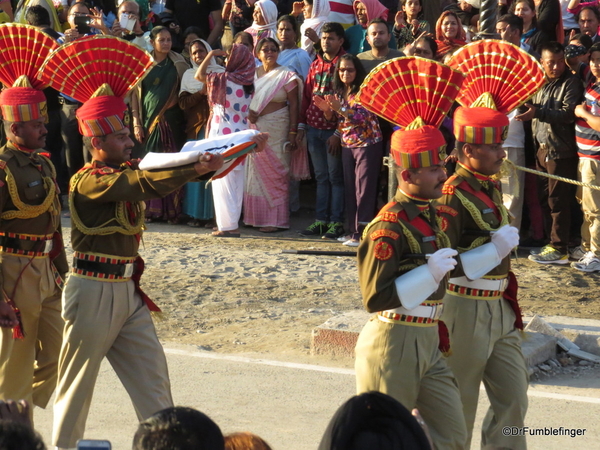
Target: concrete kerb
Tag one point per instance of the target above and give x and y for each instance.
(338, 336)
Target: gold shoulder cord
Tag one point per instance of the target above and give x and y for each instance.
(25, 211)
(482, 224)
(413, 244)
(123, 227)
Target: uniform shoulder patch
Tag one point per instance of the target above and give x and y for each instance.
(447, 210)
(444, 224)
(448, 189)
(383, 233)
(383, 251)
(389, 216)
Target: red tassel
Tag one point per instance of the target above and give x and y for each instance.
(18, 332)
(510, 294)
(444, 336)
(137, 275)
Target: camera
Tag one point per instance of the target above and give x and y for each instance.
(82, 23)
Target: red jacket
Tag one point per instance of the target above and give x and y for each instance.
(319, 81)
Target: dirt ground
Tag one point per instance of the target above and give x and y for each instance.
(244, 295)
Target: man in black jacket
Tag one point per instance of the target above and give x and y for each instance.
(552, 111)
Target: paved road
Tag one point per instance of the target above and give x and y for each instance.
(289, 404)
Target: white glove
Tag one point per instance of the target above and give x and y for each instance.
(441, 262)
(505, 239)
(415, 286)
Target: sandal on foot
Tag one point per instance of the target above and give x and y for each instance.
(228, 234)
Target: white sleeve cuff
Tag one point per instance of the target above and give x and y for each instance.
(415, 286)
(479, 261)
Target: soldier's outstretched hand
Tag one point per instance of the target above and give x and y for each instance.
(209, 162)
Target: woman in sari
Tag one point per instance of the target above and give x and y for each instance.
(265, 21)
(229, 95)
(197, 203)
(158, 121)
(274, 110)
(291, 56)
(449, 34)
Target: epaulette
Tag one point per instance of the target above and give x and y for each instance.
(384, 215)
(388, 217)
(450, 185)
(448, 189)
(4, 157)
(103, 171)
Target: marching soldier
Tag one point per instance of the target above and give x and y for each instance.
(403, 261)
(33, 261)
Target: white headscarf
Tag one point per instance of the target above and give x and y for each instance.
(320, 14)
(269, 13)
(188, 81)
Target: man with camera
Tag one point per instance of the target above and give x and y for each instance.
(128, 27)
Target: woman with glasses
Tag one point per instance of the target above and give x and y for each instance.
(362, 145)
(274, 109)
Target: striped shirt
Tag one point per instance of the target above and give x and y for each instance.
(588, 139)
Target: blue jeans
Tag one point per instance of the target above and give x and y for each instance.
(329, 175)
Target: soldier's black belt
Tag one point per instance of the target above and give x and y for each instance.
(14, 243)
(119, 270)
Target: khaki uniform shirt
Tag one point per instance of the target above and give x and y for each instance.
(462, 219)
(98, 190)
(28, 170)
(382, 253)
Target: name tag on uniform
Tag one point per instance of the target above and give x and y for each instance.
(487, 211)
(428, 238)
(34, 183)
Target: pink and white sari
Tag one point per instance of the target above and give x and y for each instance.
(266, 196)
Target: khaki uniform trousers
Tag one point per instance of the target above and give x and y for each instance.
(486, 347)
(28, 366)
(589, 172)
(106, 319)
(404, 362)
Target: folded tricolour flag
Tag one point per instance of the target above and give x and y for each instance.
(233, 147)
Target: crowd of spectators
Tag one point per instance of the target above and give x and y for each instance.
(297, 78)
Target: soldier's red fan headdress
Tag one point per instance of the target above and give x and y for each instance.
(416, 94)
(499, 78)
(23, 49)
(98, 71)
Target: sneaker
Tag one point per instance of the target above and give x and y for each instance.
(577, 253)
(335, 230)
(316, 229)
(351, 243)
(344, 238)
(549, 255)
(588, 263)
